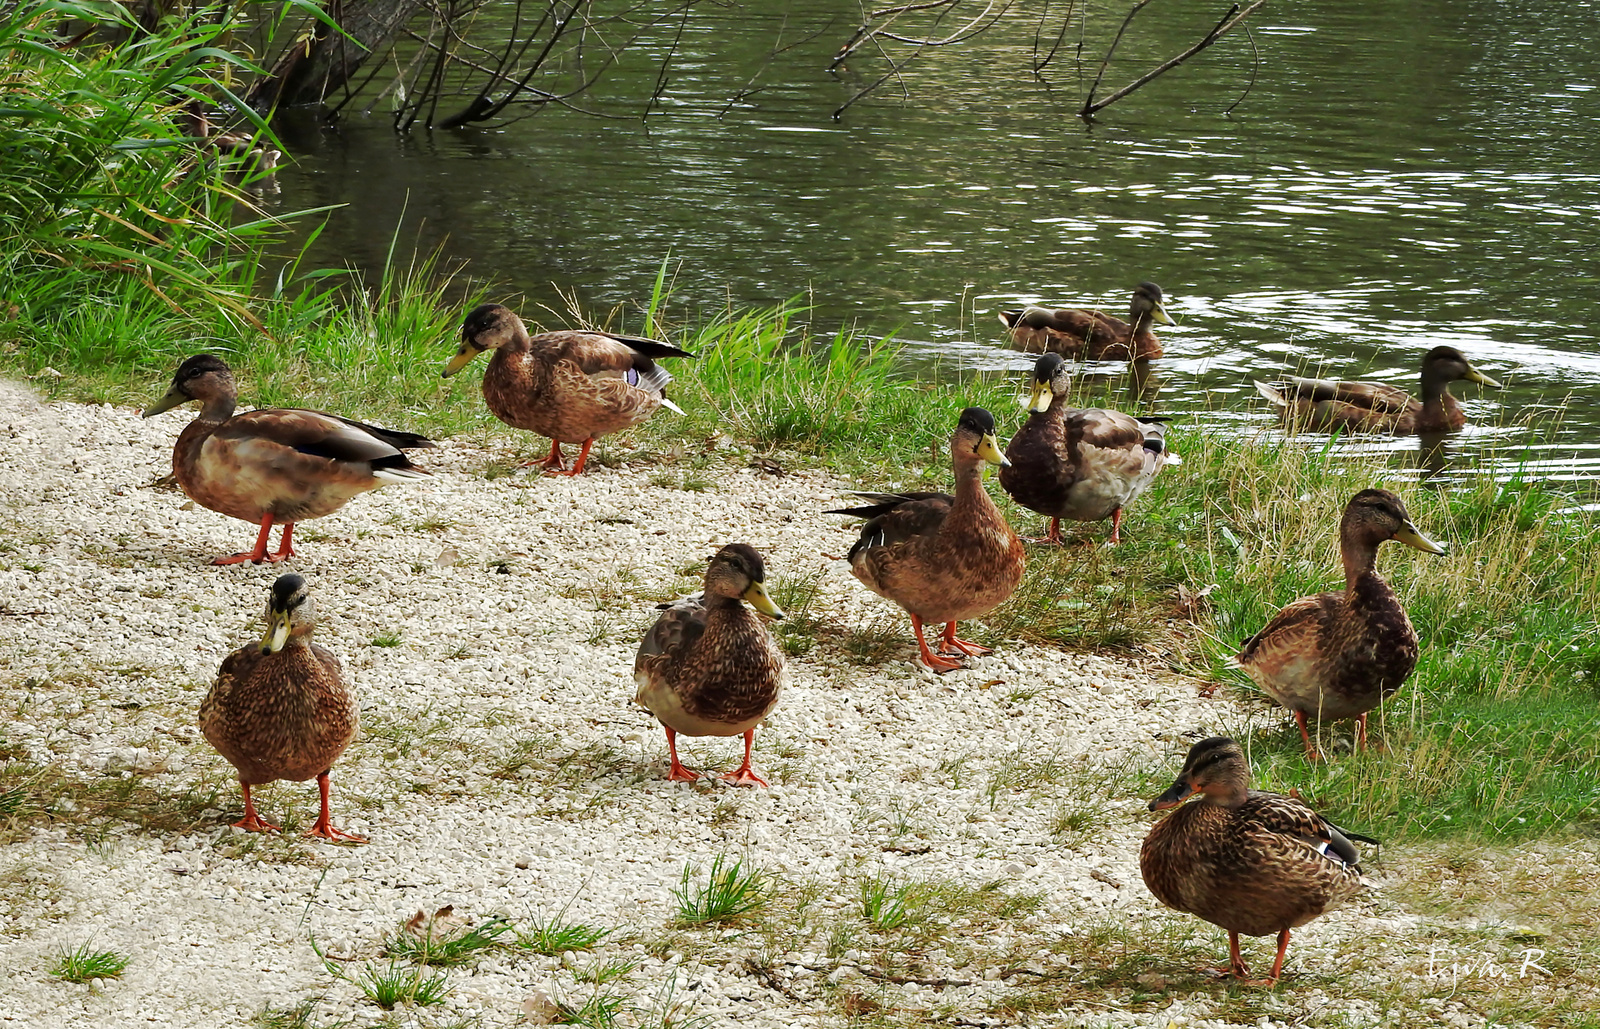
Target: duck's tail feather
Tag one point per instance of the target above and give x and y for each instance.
(1274, 395)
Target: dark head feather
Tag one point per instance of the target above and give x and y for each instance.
(976, 419)
(1044, 369)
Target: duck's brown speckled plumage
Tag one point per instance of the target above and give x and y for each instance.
(1253, 863)
(282, 713)
(1328, 404)
(571, 386)
(275, 466)
(1340, 654)
(942, 558)
(709, 667)
(1084, 464)
(1090, 334)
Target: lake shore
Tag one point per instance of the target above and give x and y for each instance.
(488, 628)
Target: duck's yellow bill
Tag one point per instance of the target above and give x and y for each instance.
(1159, 313)
(277, 632)
(1039, 399)
(1411, 537)
(166, 403)
(989, 450)
(757, 598)
(463, 358)
(1473, 375)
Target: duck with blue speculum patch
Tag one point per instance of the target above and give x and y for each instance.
(1250, 862)
(572, 386)
(1083, 464)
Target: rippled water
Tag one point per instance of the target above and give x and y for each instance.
(1398, 176)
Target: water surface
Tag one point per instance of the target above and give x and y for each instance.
(1398, 176)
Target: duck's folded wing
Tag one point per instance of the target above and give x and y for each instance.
(315, 433)
(1374, 395)
(680, 625)
(1291, 818)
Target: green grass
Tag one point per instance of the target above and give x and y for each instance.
(440, 941)
(83, 964)
(554, 936)
(730, 893)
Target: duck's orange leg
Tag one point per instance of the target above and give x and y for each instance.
(677, 773)
(252, 821)
(950, 643)
(1116, 526)
(743, 776)
(1052, 537)
(285, 549)
(259, 554)
(929, 658)
(323, 827)
(552, 461)
(1311, 747)
(583, 455)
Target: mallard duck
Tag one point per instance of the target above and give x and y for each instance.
(280, 709)
(942, 558)
(1085, 464)
(275, 466)
(1089, 334)
(709, 667)
(572, 386)
(1339, 654)
(1252, 863)
(1327, 404)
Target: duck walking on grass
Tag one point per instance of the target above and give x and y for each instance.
(1252, 863)
(572, 386)
(280, 709)
(1084, 464)
(275, 466)
(1091, 335)
(1328, 404)
(942, 558)
(1340, 654)
(709, 667)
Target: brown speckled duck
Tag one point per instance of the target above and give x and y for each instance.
(280, 709)
(709, 667)
(942, 558)
(572, 386)
(1090, 334)
(1328, 404)
(1340, 654)
(1084, 464)
(275, 466)
(1252, 863)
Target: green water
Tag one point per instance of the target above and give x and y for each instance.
(1399, 175)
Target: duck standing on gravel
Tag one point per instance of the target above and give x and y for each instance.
(1341, 654)
(942, 558)
(1091, 335)
(709, 667)
(1086, 464)
(1329, 404)
(280, 709)
(275, 466)
(1250, 862)
(572, 386)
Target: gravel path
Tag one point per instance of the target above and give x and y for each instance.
(488, 627)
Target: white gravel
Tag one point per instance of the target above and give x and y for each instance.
(517, 604)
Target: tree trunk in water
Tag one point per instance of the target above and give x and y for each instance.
(323, 63)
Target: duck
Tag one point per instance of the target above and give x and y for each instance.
(1250, 862)
(280, 708)
(571, 386)
(709, 666)
(1342, 653)
(1086, 464)
(942, 558)
(1090, 334)
(275, 466)
(1324, 405)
